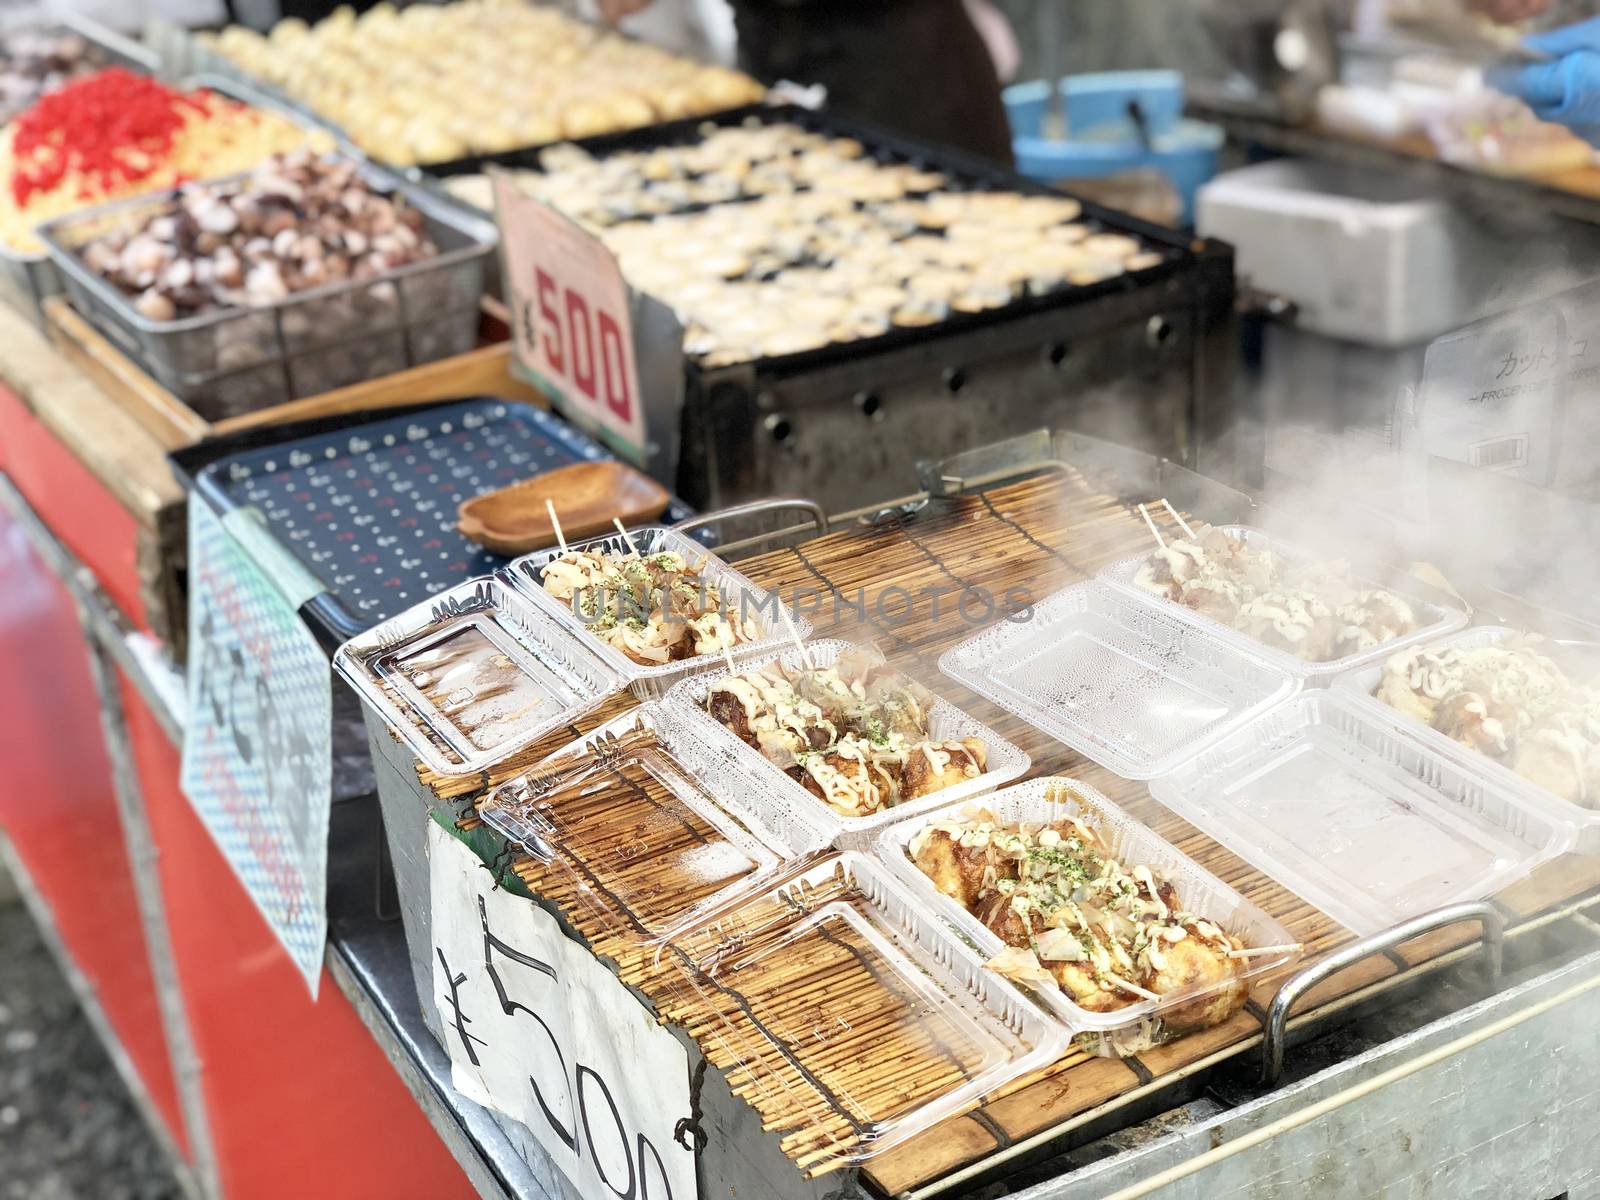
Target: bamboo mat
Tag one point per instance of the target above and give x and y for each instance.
(1040, 535)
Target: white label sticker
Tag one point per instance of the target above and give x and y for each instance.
(257, 757)
(539, 1030)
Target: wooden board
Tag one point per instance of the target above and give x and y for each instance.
(1039, 535)
(485, 371)
(116, 448)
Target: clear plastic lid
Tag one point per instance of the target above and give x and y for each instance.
(473, 675)
(1140, 1023)
(1431, 619)
(1131, 686)
(658, 827)
(1580, 661)
(1002, 761)
(1369, 826)
(740, 596)
(849, 1017)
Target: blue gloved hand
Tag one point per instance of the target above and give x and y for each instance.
(1567, 88)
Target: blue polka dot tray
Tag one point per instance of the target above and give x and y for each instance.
(370, 509)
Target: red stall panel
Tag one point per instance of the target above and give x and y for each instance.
(302, 1101)
(59, 810)
(77, 507)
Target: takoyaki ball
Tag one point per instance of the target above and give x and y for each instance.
(1387, 615)
(1396, 690)
(904, 713)
(681, 645)
(862, 786)
(957, 763)
(1214, 598)
(1155, 576)
(1197, 963)
(954, 869)
(1000, 916)
(729, 711)
(1166, 893)
(1087, 836)
(1548, 758)
(1078, 980)
(1465, 718)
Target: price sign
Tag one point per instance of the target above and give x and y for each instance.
(257, 755)
(571, 316)
(539, 1030)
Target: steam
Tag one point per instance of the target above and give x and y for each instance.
(1481, 457)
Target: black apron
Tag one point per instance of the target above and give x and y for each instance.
(918, 67)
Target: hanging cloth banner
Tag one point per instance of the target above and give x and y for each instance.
(257, 750)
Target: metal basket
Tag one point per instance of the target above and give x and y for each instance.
(238, 360)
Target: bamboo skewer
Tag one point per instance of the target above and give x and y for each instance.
(1154, 532)
(627, 539)
(1126, 986)
(1255, 951)
(805, 655)
(1178, 517)
(550, 507)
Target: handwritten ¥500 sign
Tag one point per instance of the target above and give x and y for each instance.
(539, 1030)
(570, 315)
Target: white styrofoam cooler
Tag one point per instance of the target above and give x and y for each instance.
(1377, 258)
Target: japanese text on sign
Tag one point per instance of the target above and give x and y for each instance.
(570, 317)
(257, 748)
(539, 1030)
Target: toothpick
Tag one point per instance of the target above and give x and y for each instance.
(726, 639)
(1253, 951)
(623, 530)
(1178, 517)
(805, 655)
(1154, 532)
(550, 507)
(1131, 987)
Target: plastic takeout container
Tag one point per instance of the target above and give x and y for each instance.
(1039, 802)
(1004, 761)
(857, 1018)
(1580, 660)
(1370, 826)
(1432, 619)
(240, 359)
(1125, 683)
(473, 675)
(739, 593)
(657, 835)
